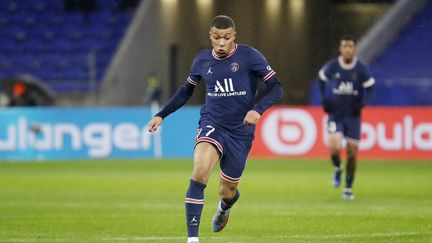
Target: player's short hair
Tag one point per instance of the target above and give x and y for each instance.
(222, 22)
(348, 37)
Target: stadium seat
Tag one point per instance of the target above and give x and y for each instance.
(404, 70)
(42, 39)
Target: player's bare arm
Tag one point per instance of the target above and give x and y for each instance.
(251, 118)
(154, 123)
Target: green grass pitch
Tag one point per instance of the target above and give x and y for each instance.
(282, 201)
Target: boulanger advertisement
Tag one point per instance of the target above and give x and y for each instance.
(283, 131)
(69, 133)
(386, 132)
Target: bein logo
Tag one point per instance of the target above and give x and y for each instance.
(289, 131)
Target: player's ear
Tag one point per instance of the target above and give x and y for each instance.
(234, 35)
(210, 34)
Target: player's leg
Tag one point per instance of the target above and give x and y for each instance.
(206, 157)
(232, 167)
(335, 145)
(352, 136)
(352, 148)
(229, 194)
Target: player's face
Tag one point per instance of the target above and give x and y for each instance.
(347, 49)
(222, 40)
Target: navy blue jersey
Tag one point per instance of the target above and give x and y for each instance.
(345, 84)
(231, 84)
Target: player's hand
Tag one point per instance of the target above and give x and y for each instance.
(154, 123)
(251, 118)
(327, 106)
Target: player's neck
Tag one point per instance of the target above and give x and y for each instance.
(347, 61)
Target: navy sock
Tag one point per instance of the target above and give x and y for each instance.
(194, 205)
(349, 181)
(227, 204)
(335, 158)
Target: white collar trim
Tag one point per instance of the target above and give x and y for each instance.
(229, 54)
(347, 66)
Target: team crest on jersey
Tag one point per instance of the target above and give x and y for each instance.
(234, 67)
(337, 75)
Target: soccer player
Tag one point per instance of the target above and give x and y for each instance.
(228, 117)
(345, 86)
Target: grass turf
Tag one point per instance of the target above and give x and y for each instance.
(282, 201)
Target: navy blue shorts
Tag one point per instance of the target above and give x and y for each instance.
(348, 125)
(233, 152)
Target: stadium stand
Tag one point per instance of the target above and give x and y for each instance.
(404, 70)
(49, 41)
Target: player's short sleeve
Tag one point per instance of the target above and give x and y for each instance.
(366, 78)
(259, 65)
(194, 77)
(325, 73)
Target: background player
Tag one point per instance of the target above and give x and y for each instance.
(226, 126)
(345, 86)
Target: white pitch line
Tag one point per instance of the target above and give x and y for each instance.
(365, 235)
(176, 238)
(144, 238)
(157, 238)
(36, 240)
(150, 238)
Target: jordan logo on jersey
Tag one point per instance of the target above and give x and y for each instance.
(345, 88)
(209, 71)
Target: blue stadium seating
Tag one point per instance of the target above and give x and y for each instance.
(42, 39)
(404, 70)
